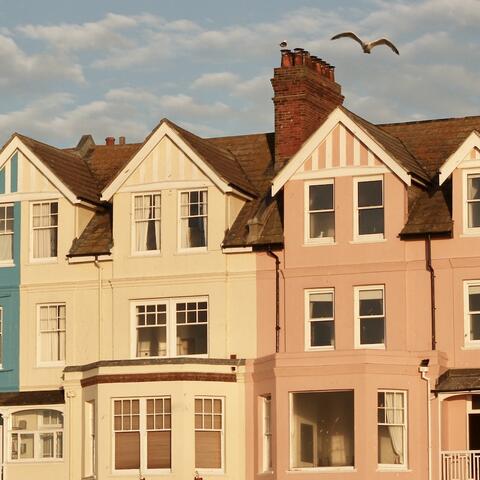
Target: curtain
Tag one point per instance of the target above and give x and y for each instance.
(395, 431)
(6, 251)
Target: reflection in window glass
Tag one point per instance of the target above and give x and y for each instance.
(321, 211)
(320, 318)
(473, 200)
(370, 207)
(474, 312)
(371, 316)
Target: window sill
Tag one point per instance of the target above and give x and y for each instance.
(7, 264)
(191, 251)
(35, 461)
(322, 470)
(470, 234)
(393, 468)
(320, 349)
(43, 261)
(313, 243)
(134, 472)
(148, 253)
(371, 347)
(360, 241)
(51, 365)
(471, 346)
(213, 472)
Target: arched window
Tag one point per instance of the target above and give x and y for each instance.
(36, 435)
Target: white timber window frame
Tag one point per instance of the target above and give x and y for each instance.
(361, 317)
(90, 434)
(142, 420)
(180, 322)
(359, 209)
(46, 432)
(7, 234)
(313, 319)
(146, 223)
(470, 204)
(209, 420)
(310, 212)
(51, 323)
(44, 228)
(471, 314)
(192, 209)
(267, 460)
(392, 415)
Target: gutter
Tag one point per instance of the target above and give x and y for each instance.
(429, 266)
(277, 298)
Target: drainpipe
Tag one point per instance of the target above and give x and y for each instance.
(277, 299)
(428, 258)
(423, 369)
(99, 268)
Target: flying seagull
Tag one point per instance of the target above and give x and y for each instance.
(283, 44)
(367, 46)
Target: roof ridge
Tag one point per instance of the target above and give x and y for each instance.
(431, 120)
(63, 150)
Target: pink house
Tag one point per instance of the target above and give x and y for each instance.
(369, 316)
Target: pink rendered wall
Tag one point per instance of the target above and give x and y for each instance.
(454, 423)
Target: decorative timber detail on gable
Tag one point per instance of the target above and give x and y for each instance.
(200, 168)
(49, 182)
(465, 156)
(340, 146)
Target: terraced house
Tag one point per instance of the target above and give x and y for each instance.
(302, 303)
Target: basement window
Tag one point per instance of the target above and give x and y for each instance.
(322, 430)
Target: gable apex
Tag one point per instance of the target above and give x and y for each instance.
(339, 116)
(454, 160)
(185, 141)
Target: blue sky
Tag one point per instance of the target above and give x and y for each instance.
(116, 67)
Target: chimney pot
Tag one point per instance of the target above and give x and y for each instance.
(287, 60)
(110, 141)
(121, 140)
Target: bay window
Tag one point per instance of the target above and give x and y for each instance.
(322, 430)
(392, 428)
(171, 327)
(209, 424)
(142, 433)
(36, 435)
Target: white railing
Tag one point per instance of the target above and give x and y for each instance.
(461, 465)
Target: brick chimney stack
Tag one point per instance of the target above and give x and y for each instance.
(305, 93)
(109, 141)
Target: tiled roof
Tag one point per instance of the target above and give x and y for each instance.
(96, 238)
(458, 380)
(433, 141)
(106, 162)
(70, 168)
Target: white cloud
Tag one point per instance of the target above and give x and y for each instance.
(215, 80)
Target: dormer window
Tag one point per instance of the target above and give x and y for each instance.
(320, 212)
(369, 208)
(146, 214)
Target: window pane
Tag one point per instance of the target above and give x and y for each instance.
(475, 327)
(322, 334)
(127, 450)
(473, 188)
(323, 429)
(322, 224)
(370, 221)
(370, 193)
(371, 302)
(372, 331)
(208, 450)
(321, 305)
(474, 214)
(191, 339)
(390, 445)
(27, 445)
(151, 341)
(476, 402)
(321, 197)
(474, 298)
(46, 445)
(158, 450)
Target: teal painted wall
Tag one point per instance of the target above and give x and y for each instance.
(10, 303)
